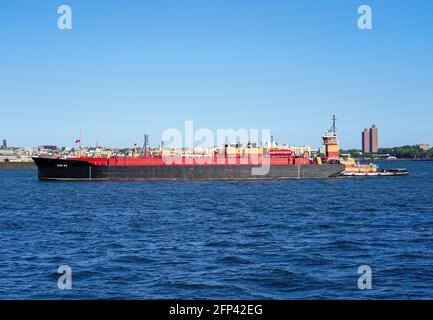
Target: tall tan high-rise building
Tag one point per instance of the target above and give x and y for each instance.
(374, 139)
(370, 140)
(366, 141)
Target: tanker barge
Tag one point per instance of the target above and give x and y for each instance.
(263, 163)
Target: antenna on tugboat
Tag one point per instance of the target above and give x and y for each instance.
(334, 128)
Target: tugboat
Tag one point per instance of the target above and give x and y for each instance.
(355, 169)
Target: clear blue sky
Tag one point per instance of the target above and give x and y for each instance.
(129, 67)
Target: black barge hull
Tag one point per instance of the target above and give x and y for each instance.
(59, 169)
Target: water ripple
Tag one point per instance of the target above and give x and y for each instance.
(201, 240)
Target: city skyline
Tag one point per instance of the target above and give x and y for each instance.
(123, 71)
(369, 142)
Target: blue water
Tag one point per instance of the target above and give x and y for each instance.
(236, 240)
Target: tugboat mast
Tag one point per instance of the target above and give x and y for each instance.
(333, 128)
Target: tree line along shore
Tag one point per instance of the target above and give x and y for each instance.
(394, 153)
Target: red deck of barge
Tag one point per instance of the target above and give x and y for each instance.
(224, 160)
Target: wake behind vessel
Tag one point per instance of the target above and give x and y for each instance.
(225, 163)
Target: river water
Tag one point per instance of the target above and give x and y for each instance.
(294, 239)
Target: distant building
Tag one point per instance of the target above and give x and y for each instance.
(374, 139)
(424, 146)
(365, 141)
(370, 140)
(47, 147)
(5, 144)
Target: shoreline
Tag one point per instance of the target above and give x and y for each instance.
(30, 165)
